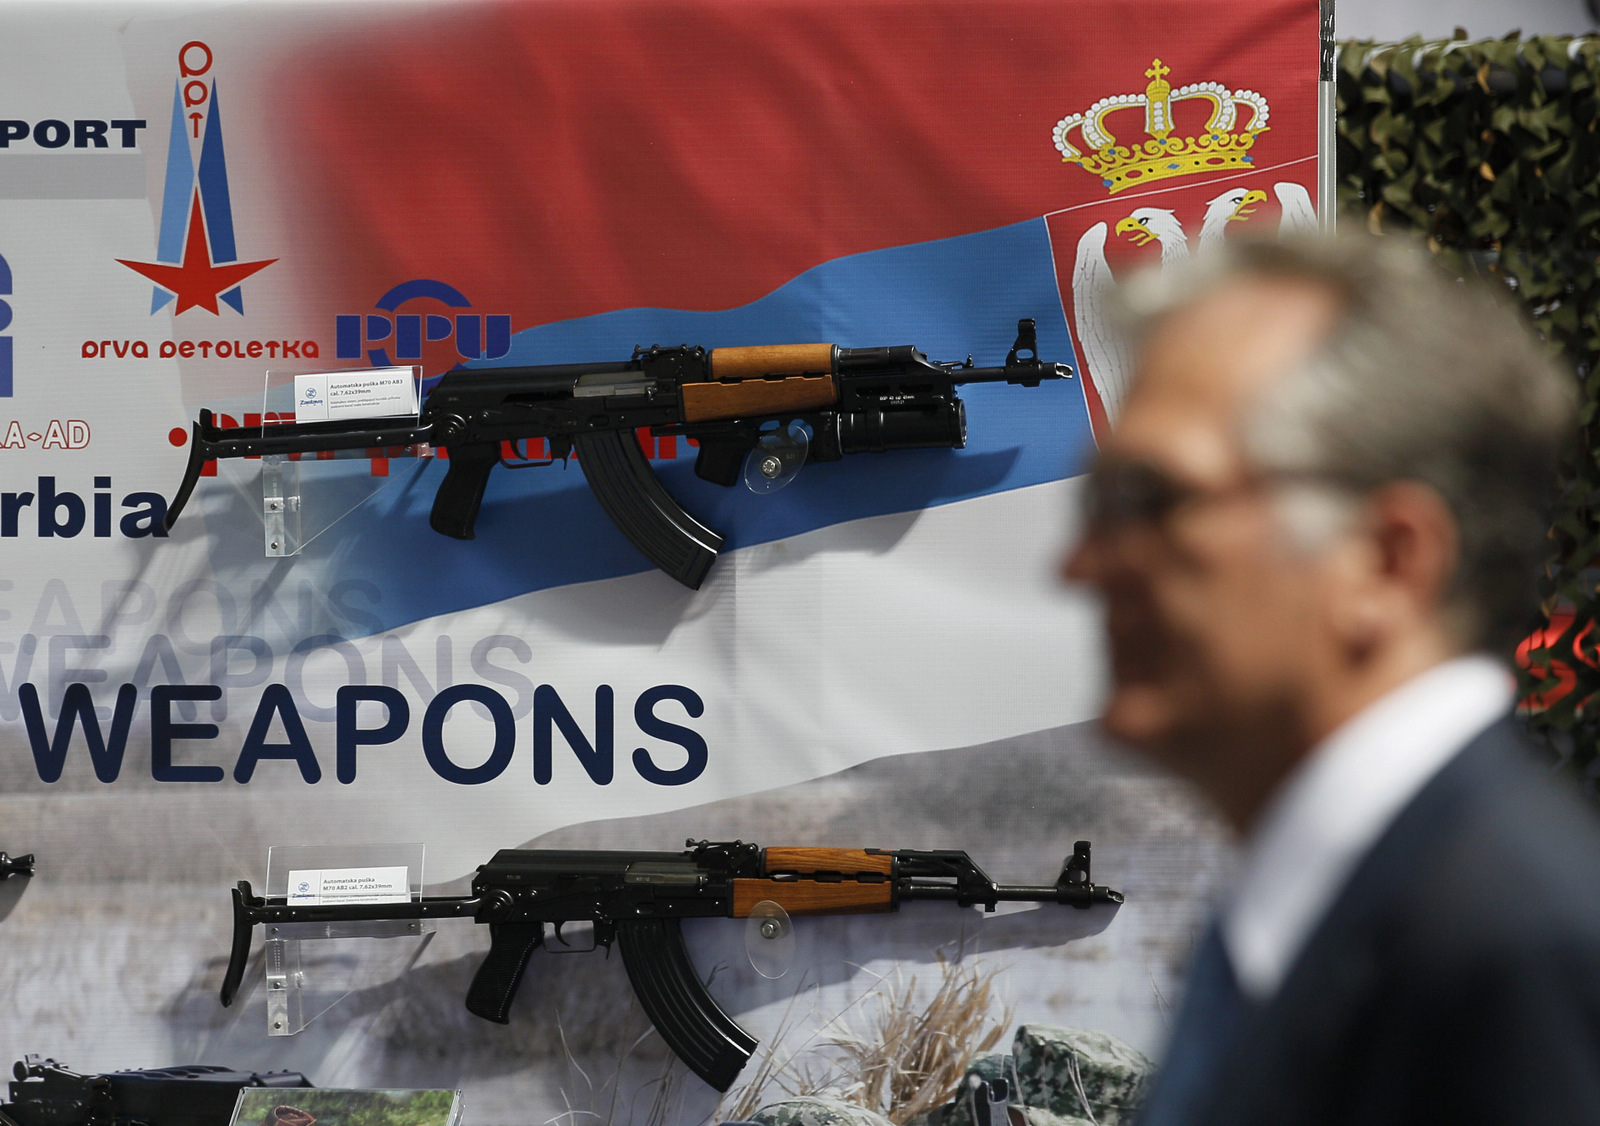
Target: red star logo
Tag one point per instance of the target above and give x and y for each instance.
(198, 281)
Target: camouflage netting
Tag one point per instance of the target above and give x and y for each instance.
(1491, 151)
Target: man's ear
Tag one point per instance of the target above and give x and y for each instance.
(1418, 541)
(1398, 566)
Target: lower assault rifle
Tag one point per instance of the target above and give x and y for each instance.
(47, 1094)
(730, 400)
(637, 899)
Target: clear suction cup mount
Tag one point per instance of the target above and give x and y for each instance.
(769, 939)
(777, 457)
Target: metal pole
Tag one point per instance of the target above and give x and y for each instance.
(1327, 125)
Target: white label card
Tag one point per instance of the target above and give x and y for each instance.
(309, 887)
(334, 396)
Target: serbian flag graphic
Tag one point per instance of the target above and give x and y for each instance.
(734, 174)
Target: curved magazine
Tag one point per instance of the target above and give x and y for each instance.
(669, 989)
(627, 489)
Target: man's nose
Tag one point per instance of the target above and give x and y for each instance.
(1079, 563)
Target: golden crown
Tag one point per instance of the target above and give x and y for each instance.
(1219, 148)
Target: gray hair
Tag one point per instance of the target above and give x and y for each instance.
(1423, 378)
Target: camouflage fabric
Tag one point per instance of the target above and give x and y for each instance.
(1054, 1063)
(991, 1066)
(814, 1111)
(1038, 1116)
(958, 1114)
(988, 1066)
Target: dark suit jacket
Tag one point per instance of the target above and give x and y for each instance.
(1456, 979)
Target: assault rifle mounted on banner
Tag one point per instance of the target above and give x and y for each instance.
(47, 1094)
(792, 402)
(637, 899)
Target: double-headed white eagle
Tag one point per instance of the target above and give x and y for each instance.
(1101, 348)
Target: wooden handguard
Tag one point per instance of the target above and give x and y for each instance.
(831, 881)
(761, 380)
(768, 360)
(812, 897)
(708, 402)
(847, 862)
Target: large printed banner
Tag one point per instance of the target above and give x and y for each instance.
(193, 197)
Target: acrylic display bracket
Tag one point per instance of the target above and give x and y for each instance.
(311, 967)
(303, 495)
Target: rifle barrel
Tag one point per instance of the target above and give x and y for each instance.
(1083, 894)
(1028, 374)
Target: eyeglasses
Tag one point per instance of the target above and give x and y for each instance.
(1122, 495)
(1135, 494)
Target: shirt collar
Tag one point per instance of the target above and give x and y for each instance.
(1337, 803)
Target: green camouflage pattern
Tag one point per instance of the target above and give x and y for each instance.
(959, 1113)
(988, 1066)
(1053, 1063)
(991, 1066)
(1038, 1116)
(1046, 1065)
(816, 1111)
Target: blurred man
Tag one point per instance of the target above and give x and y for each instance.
(1319, 512)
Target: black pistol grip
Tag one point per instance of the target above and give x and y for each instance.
(198, 451)
(239, 953)
(495, 984)
(626, 488)
(669, 990)
(720, 461)
(455, 506)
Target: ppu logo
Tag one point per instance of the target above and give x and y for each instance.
(476, 336)
(5, 323)
(197, 262)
